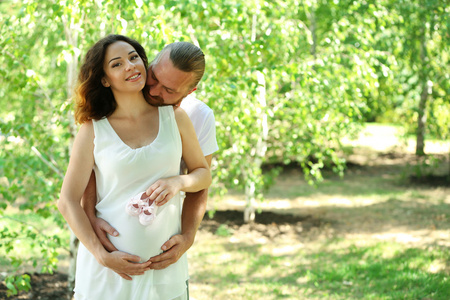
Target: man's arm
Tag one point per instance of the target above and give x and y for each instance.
(194, 208)
(89, 198)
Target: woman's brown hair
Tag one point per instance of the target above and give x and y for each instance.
(93, 101)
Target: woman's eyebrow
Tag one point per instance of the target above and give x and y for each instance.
(114, 59)
(119, 56)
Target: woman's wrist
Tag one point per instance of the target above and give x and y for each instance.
(101, 255)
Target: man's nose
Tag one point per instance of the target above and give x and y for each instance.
(155, 89)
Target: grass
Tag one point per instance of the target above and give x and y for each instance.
(380, 271)
(382, 238)
(336, 269)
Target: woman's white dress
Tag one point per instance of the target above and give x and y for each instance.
(121, 173)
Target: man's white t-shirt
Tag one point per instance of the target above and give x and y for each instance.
(202, 117)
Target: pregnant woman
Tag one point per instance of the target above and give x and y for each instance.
(133, 147)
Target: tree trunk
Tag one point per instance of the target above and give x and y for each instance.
(261, 148)
(421, 121)
(426, 90)
(249, 211)
(261, 145)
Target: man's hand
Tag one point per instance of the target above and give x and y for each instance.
(125, 264)
(101, 228)
(173, 249)
(194, 208)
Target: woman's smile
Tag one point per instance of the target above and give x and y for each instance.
(134, 77)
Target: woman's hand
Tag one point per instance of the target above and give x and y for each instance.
(164, 189)
(124, 264)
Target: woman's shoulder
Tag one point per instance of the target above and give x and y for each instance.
(85, 136)
(89, 124)
(180, 114)
(87, 128)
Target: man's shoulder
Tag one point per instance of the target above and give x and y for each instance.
(194, 106)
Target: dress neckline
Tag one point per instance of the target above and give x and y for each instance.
(145, 146)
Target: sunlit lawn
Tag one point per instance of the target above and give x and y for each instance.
(330, 269)
(384, 239)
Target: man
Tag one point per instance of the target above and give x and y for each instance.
(172, 77)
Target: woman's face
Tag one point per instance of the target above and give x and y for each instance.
(124, 69)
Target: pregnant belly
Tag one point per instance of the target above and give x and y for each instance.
(144, 241)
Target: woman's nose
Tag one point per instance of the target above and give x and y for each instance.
(130, 65)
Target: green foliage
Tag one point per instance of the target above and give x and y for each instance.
(223, 231)
(18, 283)
(426, 166)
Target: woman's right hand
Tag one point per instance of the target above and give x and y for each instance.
(124, 264)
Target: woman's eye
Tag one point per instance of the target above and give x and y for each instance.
(116, 65)
(135, 57)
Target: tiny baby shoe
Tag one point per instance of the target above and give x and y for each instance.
(148, 214)
(136, 204)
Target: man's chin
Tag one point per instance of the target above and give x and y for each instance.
(156, 102)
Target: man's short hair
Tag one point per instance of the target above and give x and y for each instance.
(186, 57)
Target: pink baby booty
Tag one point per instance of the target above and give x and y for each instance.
(136, 204)
(148, 214)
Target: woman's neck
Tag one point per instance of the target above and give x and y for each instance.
(130, 105)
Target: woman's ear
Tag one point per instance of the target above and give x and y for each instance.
(105, 82)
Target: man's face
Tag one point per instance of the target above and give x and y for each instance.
(168, 85)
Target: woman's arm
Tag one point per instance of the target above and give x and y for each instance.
(198, 177)
(75, 182)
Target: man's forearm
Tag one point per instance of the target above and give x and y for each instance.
(194, 208)
(89, 199)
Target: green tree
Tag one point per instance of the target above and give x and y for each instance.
(423, 44)
(33, 130)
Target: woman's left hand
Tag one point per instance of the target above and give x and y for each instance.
(164, 189)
